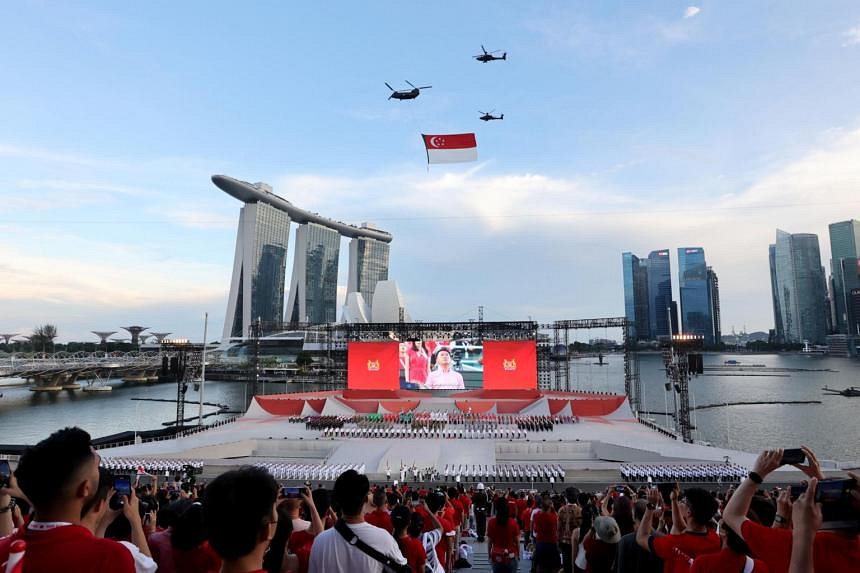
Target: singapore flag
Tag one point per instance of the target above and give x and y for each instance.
(451, 148)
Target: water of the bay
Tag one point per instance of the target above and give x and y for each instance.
(830, 428)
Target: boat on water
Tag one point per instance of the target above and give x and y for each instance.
(850, 392)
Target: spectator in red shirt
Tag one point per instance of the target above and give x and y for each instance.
(503, 539)
(545, 527)
(697, 508)
(526, 520)
(601, 545)
(733, 557)
(832, 550)
(435, 502)
(412, 548)
(60, 478)
(240, 513)
(380, 516)
(459, 510)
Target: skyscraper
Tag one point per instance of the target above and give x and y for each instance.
(714, 295)
(659, 293)
(259, 266)
(845, 272)
(368, 264)
(635, 272)
(695, 295)
(800, 294)
(778, 328)
(313, 287)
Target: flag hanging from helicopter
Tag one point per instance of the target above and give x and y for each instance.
(451, 147)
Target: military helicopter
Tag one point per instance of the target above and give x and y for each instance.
(489, 57)
(406, 94)
(489, 116)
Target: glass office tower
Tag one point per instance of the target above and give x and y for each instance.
(695, 293)
(313, 287)
(635, 273)
(714, 294)
(368, 264)
(800, 288)
(259, 268)
(659, 293)
(844, 253)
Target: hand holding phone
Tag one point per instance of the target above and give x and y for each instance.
(792, 456)
(5, 473)
(291, 492)
(122, 492)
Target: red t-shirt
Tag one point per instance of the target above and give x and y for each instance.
(202, 559)
(526, 519)
(505, 536)
(830, 552)
(466, 501)
(70, 549)
(521, 505)
(600, 555)
(380, 518)
(724, 561)
(690, 544)
(458, 511)
(300, 543)
(512, 507)
(413, 551)
(546, 526)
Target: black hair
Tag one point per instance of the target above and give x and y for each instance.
(435, 501)
(322, 500)
(452, 492)
(571, 494)
(48, 468)
(702, 505)
(273, 560)
(622, 512)
(394, 498)
(762, 510)
(502, 511)
(639, 509)
(400, 517)
(416, 525)
(379, 498)
(237, 506)
(105, 483)
(189, 530)
(350, 491)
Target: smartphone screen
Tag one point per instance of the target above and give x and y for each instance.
(5, 472)
(122, 485)
(291, 492)
(793, 456)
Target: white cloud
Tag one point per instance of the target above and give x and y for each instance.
(691, 11)
(852, 36)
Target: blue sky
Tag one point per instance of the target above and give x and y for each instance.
(628, 126)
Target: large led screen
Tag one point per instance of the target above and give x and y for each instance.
(372, 365)
(510, 365)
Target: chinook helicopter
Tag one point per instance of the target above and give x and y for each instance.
(489, 116)
(406, 94)
(489, 57)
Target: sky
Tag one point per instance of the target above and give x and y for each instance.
(629, 126)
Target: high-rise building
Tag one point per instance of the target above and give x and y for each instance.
(845, 273)
(695, 295)
(800, 295)
(259, 267)
(714, 294)
(313, 287)
(368, 264)
(778, 330)
(659, 293)
(635, 272)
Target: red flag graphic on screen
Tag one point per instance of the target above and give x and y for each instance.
(451, 147)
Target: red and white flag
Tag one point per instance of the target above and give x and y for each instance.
(451, 148)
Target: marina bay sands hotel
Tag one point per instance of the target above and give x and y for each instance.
(259, 266)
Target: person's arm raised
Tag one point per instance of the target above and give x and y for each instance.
(735, 513)
(317, 525)
(806, 518)
(679, 524)
(812, 468)
(132, 512)
(644, 531)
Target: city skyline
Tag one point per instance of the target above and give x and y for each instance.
(115, 118)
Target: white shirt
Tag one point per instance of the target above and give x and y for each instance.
(430, 540)
(332, 553)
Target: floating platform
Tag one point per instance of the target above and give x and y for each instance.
(98, 389)
(49, 389)
(71, 386)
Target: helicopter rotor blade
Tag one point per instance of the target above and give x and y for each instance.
(483, 48)
(422, 87)
(410, 83)
(389, 87)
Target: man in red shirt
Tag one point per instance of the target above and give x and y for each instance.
(832, 550)
(457, 506)
(240, 515)
(436, 503)
(697, 507)
(379, 516)
(60, 477)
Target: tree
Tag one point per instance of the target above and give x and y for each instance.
(43, 335)
(303, 360)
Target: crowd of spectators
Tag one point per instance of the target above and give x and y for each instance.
(61, 511)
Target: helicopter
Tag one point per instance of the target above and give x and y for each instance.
(489, 57)
(489, 116)
(406, 94)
